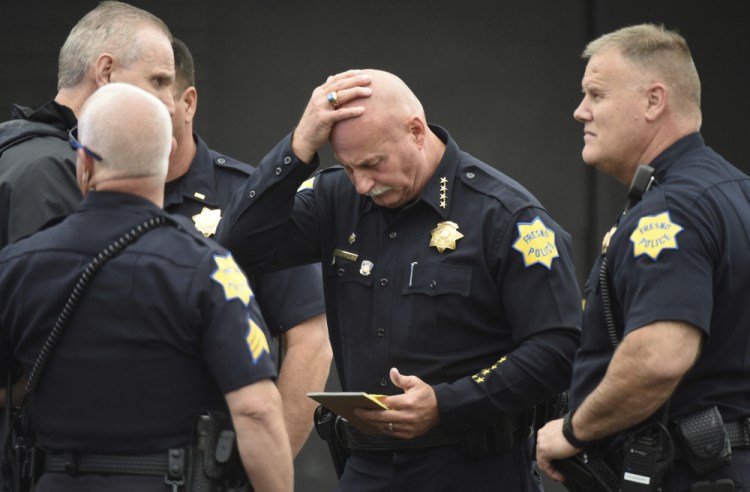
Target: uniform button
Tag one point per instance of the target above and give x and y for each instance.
(470, 175)
(381, 332)
(433, 284)
(287, 160)
(392, 235)
(383, 382)
(384, 282)
(221, 160)
(340, 272)
(278, 171)
(251, 194)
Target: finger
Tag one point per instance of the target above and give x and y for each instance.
(344, 96)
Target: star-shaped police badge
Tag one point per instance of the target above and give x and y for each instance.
(207, 221)
(445, 235)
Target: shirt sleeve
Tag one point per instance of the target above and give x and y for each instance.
(233, 344)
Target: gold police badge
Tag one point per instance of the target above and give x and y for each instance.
(207, 221)
(445, 235)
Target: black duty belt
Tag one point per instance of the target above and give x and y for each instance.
(82, 463)
(738, 434)
(508, 433)
(358, 440)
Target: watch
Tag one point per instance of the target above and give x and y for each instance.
(567, 430)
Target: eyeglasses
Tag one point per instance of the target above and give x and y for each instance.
(75, 145)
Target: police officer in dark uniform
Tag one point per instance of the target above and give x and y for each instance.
(160, 334)
(669, 373)
(200, 183)
(448, 286)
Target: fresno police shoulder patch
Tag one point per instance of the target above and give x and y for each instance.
(536, 243)
(256, 341)
(307, 184)
(231, 278)
(654, 234)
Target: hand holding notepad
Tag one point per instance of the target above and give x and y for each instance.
(344, 403)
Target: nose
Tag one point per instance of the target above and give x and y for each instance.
(168, 99)
(362, 183)
(582, 113)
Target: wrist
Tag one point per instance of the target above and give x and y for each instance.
(569, 434)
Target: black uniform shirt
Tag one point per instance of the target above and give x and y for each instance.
(161, 333)
(288, 297)
(470, 288)
(682, 253)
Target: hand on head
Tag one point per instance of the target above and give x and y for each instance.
(327, 106)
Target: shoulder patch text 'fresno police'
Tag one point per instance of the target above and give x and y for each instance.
(654, 234)
(536, 243)
(231, 278)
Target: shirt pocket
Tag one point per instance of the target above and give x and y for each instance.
(434, 305)
(352, 299)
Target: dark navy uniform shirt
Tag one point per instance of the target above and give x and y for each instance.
(682, 253)
(288, 297)
(470, 288)
(160, 335)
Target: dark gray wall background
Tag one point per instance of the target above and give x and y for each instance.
(502, 76)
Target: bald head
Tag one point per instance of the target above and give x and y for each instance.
(391, 102)
(132, 131)
(389, 151)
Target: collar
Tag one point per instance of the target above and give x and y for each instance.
(673, 154)
(198, 183)
(54, 114)
(438, 191)
(114, 200)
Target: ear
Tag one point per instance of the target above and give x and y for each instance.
(656, 103)
(84, 171)
(418, 130)
(190, 98)
(103, 69)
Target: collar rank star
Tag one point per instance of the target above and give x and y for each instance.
(443, 193)
(536, 243)
(654, 234)
(207, 221)
(445, 235)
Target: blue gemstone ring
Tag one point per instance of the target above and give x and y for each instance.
(333, 98)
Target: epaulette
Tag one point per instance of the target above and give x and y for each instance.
(509, 192)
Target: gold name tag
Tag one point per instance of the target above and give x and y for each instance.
(345, 254)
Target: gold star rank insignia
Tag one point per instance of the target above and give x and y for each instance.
(207, 221)
(536, 243)
(654, 234)
(445, 235)
(443, 193)
(256, 341)
(231, 278)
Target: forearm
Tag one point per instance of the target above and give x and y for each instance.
(532, 373)
(261, 437)
(305, 368)
(644, 372)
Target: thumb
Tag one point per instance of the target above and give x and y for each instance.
(403, 382)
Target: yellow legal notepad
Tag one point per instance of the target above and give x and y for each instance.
(344, 402)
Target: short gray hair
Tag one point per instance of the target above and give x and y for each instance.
(130, 128)
(660, 52)
(111, 27)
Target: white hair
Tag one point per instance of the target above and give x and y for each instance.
(130, 128)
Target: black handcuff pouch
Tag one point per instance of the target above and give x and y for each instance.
(703, 440)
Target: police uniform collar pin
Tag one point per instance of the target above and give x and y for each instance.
(443, 192)
(445, 235)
